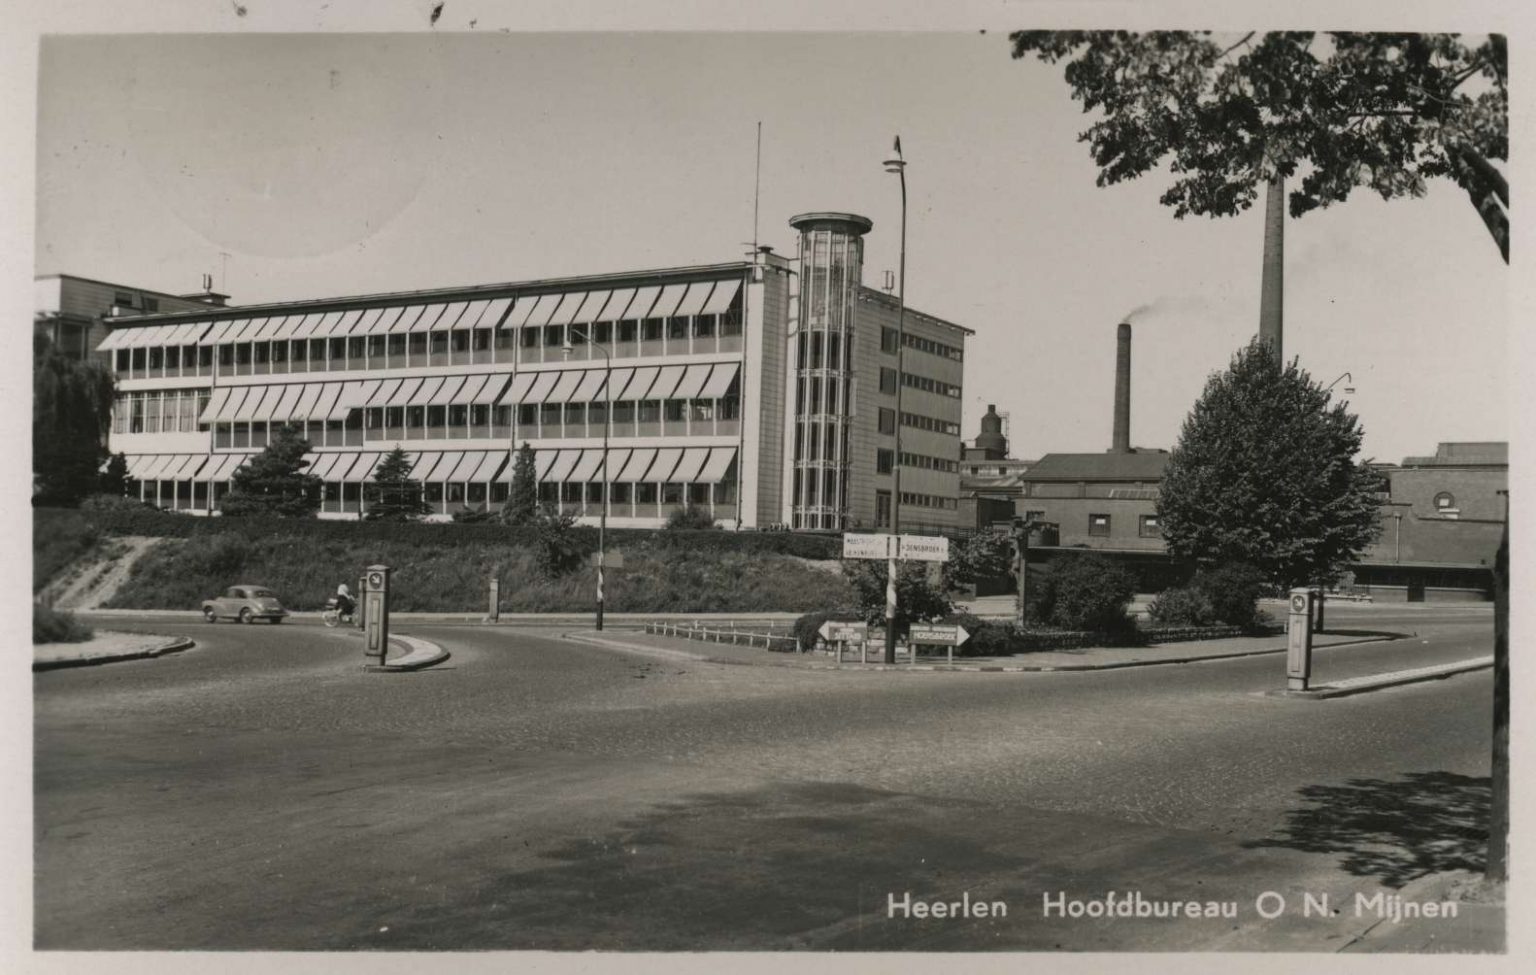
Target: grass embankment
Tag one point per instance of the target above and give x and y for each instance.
(179, 574)
(60, 543)
(52, 626)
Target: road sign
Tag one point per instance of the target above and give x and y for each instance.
(868, 546)
(834, 631)
(937, 635)
(612, 560)
(924, 548)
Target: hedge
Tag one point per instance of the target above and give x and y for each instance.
(163, 524)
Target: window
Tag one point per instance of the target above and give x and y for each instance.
(704, 327)
(151, 304)
(882, 509)
(1149, 527)
(650, 330)
(627, 330)
(122, 298)
(888, 381)
(528, 338)
(674, 410)
(677, 328)
(1098, 525)
(888, 341)
(887, 420)
(1445, 500)
(885, 461)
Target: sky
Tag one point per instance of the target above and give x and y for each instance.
(306, 166)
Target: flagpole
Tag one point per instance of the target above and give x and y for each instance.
(899, 167)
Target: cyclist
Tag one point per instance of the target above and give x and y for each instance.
(344, 603)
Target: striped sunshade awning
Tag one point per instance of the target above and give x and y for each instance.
(666, 304)
(644, 378)
(539, 314)
(644, 302)
(587, 467)
(721, 298)
(720, 380)
(450, 316)
(639, 462)
(565, 311)
(719, 463)
(666, 462)
(616, 307)
(447, 391)
(666, 382)
(693, 301)
(560, 470)
(564, 387)
(542, 384)
(498, 313)
(517, 389)
(692, 382)
(491, 392)
(489, 467)
(690, 465)
(591, 382)
(470, 389)
(225, 466)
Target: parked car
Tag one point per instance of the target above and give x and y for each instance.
(245, 603)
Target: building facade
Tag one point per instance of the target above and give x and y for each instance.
(753, 389)
(77, 313)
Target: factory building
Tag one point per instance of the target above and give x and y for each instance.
(767, 391)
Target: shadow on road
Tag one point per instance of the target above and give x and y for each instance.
(1394, 831)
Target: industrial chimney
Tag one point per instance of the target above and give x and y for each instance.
(1122, 433)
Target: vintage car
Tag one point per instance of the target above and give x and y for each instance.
(245, 603)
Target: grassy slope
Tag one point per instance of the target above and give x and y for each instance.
(63, 542)
(179, 574)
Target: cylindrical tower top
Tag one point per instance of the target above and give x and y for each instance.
(844, 223)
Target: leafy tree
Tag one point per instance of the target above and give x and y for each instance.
(71, 417)
(560, 549)
(984, 555)
(1083, 592)
(917, 598)
(1264, 473)
(692, 516)
(1383, 111)
(273, 482)
(114, 480)
(393, 495)
(523, 503)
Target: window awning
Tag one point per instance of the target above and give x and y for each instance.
(586, 468)
(262, 328)
(645, 301)
(666, 462)
(517, 389)
(542, 384)
(329, 325)
(497, 313)
(326, 406)
(544, 459)
(586, 390)
(356, 393)
(321, 465)
(184, 334)
(251, 408)
(304, 407)
(139, 463)
(565, 311)
(698, 293)
(666, 382)
(152, 466)
(671, 297)
(351, 322)
(114, 340)
(616, 383)
(189, 467)
(617, 458)
(564, 388)
(304, 325)
(721, 298)
(382, 393)
(719, 463)
(720, 380)
(491, 391)
(226, 466)
(363, 468)
(237, 396)
(692, 463)
(401, 320)
(470, 388)
(406, 393)
(560, 470)
(489, 467)
(595, 300)
(472, 314)
(423, 463)
(644, 378)
(447, 391)
(542, 309)
(424, 393)
(215, 405)
(692, 382)
(450, 316)
(282, 410)
(639, 462)
(467, 465)
(216, 332)
(616, 305)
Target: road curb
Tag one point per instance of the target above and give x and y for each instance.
(420, 655)
(1376, 682)
(173, 646)
(963, 668)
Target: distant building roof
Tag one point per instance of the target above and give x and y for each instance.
(1142, 465)
(1489, 453)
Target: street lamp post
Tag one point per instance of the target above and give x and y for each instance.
(1348, 390)
(897, 165)
(602, 516)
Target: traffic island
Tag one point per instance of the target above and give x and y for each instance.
(1397, 678)
(105, 648)
(417, 654)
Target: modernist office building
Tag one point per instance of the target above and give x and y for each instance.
(764, 390)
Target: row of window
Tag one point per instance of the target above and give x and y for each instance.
(819, 349)
(820, 441)
(917, 421)
(652, 336)
(1147, 526)
(928, 501)
(161, 411)
(921, 344)
(547, 421)
(924, 462)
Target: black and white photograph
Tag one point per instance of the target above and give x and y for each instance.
(863, 485)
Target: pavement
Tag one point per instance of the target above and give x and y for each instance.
(539, 794)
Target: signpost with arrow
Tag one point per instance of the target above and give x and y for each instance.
(894, 548)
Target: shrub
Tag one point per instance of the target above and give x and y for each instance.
(57, 542)
(1182, 606)
(1233, 590)
(472, 516)
(560, 551)
(114, 502)
(989, 638)
(807, 629)
(691, 517)
(916, 597)
(55, 626)
(984, 555)
(1085, 592)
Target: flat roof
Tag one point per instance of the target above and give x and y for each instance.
(1144, 465)
(865, 291)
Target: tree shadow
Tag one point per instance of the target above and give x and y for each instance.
(1394, 831)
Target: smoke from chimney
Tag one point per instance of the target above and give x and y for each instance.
(1121, 442)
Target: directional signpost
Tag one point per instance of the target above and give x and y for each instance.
(893, 548)
(938, 635)
(841, 633)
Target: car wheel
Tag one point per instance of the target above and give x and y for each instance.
(245, 615)
(210, 615)
(277, 619)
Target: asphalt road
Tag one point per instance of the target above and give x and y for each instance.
(261, 791)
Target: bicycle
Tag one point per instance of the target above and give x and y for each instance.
(333, 614)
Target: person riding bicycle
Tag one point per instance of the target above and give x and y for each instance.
(344, 602)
